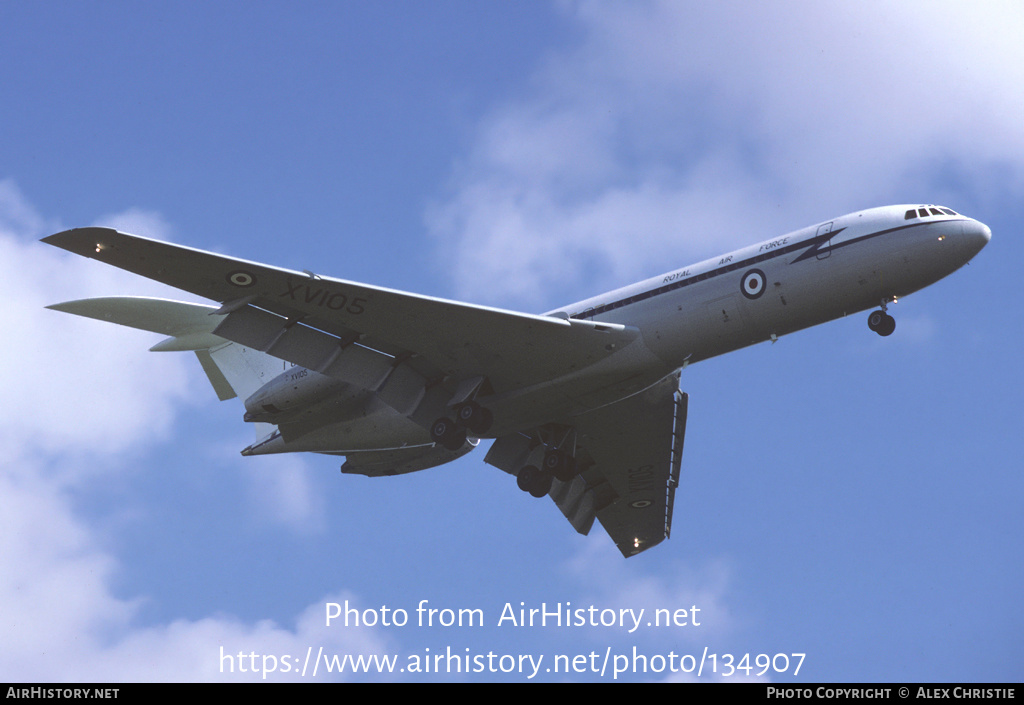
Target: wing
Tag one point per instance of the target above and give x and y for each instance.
(302, 317)
(628, 455)
(637, 450)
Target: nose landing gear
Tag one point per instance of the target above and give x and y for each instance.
(881, 322)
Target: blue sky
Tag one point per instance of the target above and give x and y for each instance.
(844, 496)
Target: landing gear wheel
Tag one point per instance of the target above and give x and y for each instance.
(560, 464)
(534, 480)
(541, 484)
(888, 326)
(474, 417)
(881, 323)
(875, 319)
(445, 432)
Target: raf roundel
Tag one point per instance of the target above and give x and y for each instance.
(752, 284)
(241, 278)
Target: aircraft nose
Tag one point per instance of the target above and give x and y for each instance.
(976, 236)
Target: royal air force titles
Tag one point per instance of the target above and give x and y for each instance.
(559, 614)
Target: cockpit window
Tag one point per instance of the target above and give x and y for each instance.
(926, 211)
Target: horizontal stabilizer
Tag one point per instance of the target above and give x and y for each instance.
(231, 368)
(190, 326)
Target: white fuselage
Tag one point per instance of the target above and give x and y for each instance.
(761, 292)
(817, 274)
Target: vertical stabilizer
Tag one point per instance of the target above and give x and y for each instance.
(243, 369)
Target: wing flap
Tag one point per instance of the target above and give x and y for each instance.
(577, 502)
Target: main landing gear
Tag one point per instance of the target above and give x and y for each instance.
(534, 480)
(470, 417)
(881, 322)
(558, 464)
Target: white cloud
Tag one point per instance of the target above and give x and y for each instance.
(610, 581)
(674, 130)
(138, 221)
(68, 383)
(61, 622)
(220, 649)
(53, 580)
(75, 403)
(16, 214)
(281, 489)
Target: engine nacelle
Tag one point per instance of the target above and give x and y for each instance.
(289, 394)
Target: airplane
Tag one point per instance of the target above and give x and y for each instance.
(583, 403)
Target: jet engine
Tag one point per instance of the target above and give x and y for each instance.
(291, 393)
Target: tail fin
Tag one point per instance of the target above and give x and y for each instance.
(233, 370)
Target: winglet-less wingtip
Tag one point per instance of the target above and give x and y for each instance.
(87, 242)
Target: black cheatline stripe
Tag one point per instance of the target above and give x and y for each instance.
(812, 244)
(813, 248)
(862, 238)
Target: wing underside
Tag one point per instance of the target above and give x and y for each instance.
(629, 455)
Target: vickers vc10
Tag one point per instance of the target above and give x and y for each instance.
(583, 403)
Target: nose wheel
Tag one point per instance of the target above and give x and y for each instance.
(881, 322)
